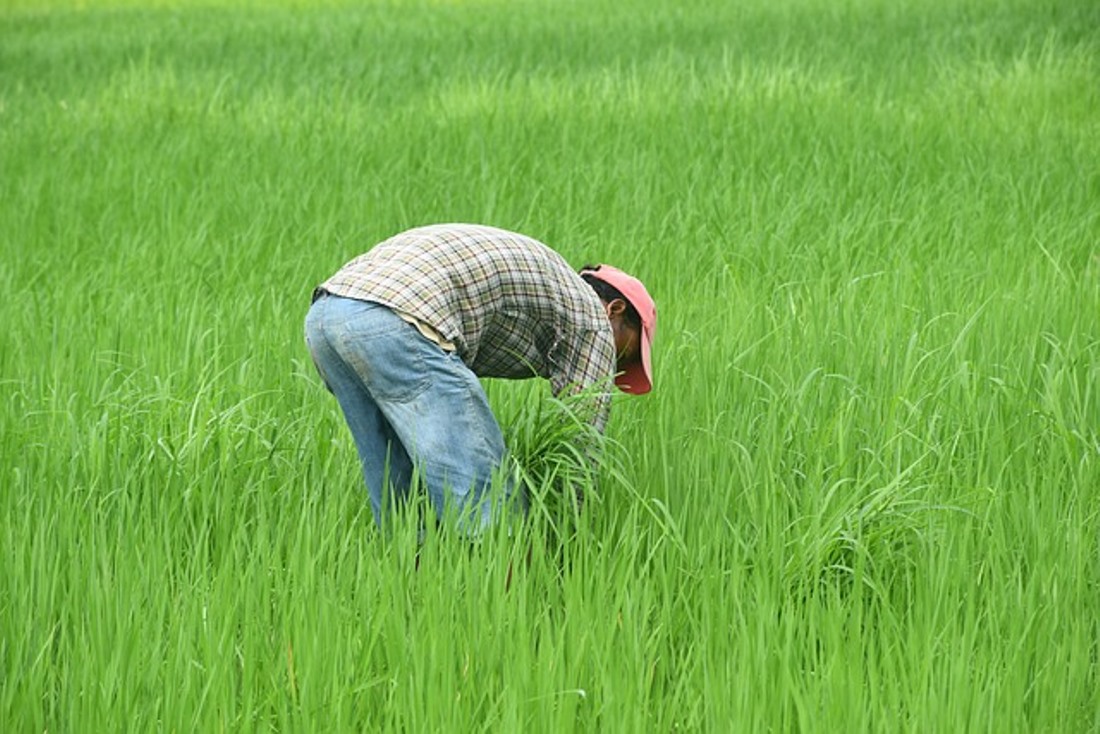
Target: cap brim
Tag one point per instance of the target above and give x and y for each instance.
(637, 378)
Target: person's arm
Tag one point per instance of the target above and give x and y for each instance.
(586, 364)
(586, 368)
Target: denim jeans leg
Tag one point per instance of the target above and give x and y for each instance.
(391, 381)
(386, 467)
(451, 433)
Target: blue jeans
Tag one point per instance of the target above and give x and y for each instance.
(413, 408)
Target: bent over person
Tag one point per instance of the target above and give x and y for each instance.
(401, 334)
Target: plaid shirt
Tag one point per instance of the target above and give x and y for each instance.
(512, 306)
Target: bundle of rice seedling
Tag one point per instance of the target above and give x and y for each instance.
(557, 458)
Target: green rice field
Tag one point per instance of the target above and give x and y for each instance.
(864, 495)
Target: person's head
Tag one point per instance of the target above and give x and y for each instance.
(633, 318)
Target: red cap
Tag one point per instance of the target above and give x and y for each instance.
(637, 378)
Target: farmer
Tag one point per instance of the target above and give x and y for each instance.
(401, 334)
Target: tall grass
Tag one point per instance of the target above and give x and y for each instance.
(864, 494)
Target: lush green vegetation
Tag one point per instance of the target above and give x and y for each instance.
(865, 494)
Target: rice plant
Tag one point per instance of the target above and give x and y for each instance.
(864, 494)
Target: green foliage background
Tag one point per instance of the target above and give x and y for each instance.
(864, 495)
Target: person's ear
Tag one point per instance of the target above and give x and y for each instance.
(616, 307)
